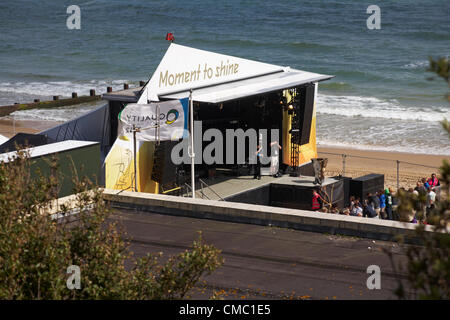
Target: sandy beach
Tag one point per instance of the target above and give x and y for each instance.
(411, 167)
(9, 127)
(356, 162)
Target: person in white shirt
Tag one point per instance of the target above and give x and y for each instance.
(275, 147)
(431, 198)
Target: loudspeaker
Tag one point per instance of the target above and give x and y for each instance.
(346, 181)
(164, 171)
(306, 170)
(359, 187)
(305, 113)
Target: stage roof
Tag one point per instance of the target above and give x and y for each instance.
(249, 87)
(216, 78)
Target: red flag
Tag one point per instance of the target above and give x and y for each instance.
(170, 37)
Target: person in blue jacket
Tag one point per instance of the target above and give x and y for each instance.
(382, 197)
(425, 183)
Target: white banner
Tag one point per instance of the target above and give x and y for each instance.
(172, 120)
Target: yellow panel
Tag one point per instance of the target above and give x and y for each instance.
(307, 151)
(119, 166)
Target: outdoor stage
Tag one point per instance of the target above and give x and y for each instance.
(286, 191)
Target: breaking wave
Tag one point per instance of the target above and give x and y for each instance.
(371, 107)
(59, 88)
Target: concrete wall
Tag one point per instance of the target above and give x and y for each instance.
(259, 195)
(262, 215)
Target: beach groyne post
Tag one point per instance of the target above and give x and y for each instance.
(398, 174)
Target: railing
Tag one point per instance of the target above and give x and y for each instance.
(203, 185)
(188, 188)
(344, 156)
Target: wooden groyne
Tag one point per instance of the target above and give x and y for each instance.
(56, 102)
(6, 110)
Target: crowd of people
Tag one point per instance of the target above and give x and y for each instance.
(383, 204)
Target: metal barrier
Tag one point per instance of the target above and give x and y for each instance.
(203, 185)
(344, 156)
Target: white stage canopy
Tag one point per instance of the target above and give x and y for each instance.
(249, 87)
(217, 78)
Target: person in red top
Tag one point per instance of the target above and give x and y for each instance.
(433, 181)
(316, 201)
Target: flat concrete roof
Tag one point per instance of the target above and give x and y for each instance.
(263, 262)
(304, 220)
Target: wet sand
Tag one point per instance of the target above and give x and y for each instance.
(9, 127)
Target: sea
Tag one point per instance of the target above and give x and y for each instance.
(382, 97)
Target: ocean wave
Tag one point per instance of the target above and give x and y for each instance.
(411, 148)
(61, 114)
(335, 86)
(61, 88)
(422, 64)
(371, 107)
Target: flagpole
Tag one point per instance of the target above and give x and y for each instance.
(134, 149)
(192, 153)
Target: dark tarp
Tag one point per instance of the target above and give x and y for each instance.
(293, 196)
(25, 140)
(93, 126)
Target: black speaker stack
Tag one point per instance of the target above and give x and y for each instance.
(359, 187)
(303, 112)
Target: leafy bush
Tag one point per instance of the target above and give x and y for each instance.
(36, 248)
(428, 264)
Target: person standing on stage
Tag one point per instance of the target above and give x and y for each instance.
(274, 159)
(258, 154)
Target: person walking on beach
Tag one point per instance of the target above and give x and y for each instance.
(258, 154)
